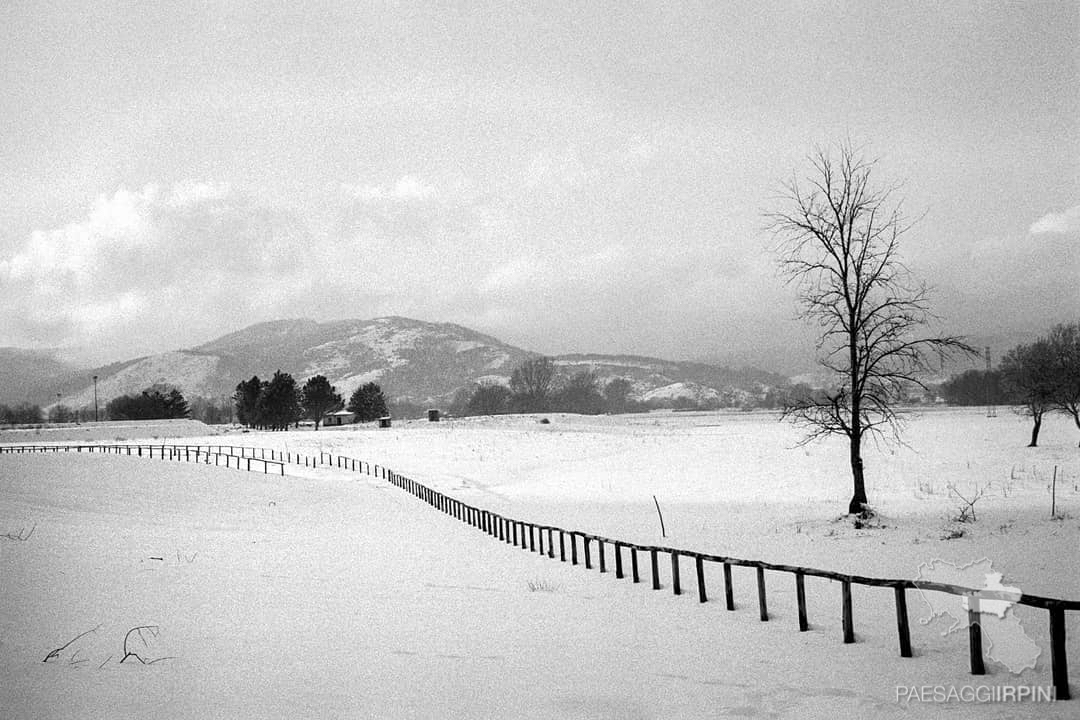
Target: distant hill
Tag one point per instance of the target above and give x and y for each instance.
(414, 361)
(34, 376)
(656, 379)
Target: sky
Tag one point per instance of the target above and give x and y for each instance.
(569, 177)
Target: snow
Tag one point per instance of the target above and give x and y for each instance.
(387, 340)
(108, 432)
(499, 360)
(692, 391)
(331, 594)
(351, 382)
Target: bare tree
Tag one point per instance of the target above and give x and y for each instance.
(488, 399)
(838, 243)
(532, 383)
(1065, 343)
(1030, 376)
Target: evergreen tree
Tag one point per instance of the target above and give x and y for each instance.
(368, 402)
(278, 405)
(246, 398)
(158, 402)
(174, 405)
(319, 398)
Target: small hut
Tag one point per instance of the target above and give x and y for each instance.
(341, 417)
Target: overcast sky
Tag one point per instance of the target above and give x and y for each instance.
(569, 177)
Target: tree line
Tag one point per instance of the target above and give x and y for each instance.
(157, 402)
(1036, 378)
(277, 403)
(536, 386)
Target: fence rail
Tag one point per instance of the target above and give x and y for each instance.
(206, 454)
(542, 539)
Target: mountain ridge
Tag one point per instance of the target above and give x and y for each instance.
(415, 361)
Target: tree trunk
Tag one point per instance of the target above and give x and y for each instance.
(1037, 423)
(858, 499)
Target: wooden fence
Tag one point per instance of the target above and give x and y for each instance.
(207, 454)
(531, 536)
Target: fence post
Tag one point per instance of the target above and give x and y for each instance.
(618, 561)
(729, 591)
(762, 604)
(975, 637)
(800, 597)
(655, 569)
(541, 534)
(902, 621)
(1058, 661)
(600, 553)
(532, 538)
(699, 565)
(588, 558)
(551, 543)
(633, 564)
(849, 623)
(676, 587)
(562, 547)
(573, 548)
(502, 529)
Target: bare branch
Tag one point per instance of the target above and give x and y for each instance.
(56, 653)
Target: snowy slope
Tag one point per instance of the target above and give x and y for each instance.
(414, 361)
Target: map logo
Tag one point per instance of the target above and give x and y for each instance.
(1003, 637)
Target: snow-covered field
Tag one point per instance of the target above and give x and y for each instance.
(330, 594)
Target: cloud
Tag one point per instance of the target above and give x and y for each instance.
(408, 188)
(1067, 221)
(641, 150)
(190, 193)
(152, 267)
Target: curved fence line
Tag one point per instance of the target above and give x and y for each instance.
(183, 453)
(531, 536)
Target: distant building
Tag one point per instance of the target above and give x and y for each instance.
(341, 417)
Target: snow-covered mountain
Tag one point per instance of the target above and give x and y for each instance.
(412, 360)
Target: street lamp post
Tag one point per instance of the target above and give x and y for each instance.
(95, 399)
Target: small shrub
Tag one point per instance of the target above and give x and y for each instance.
(952, 533)
(966, 511)
(541, 585)
(22, 535)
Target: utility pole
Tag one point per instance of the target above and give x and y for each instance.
(95, 399)
(991, 411)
